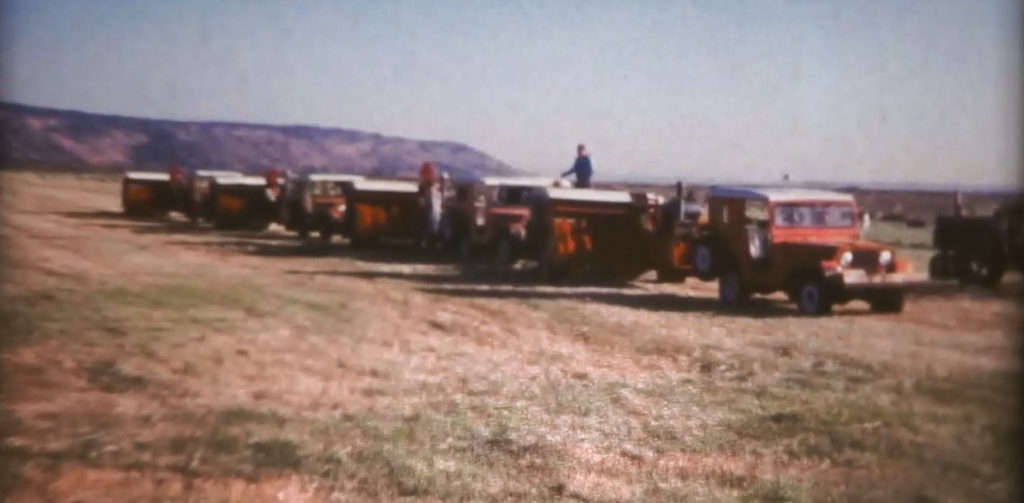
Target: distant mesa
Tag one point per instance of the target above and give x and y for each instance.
(65, 138)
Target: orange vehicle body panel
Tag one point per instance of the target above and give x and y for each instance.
(230, 204)
(370, 218)
(139, 193)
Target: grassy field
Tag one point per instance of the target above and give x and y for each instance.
(152, 361)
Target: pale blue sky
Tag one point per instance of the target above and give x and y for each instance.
(886, 90)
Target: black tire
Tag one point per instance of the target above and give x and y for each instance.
(887, 302)
(731, 290)
(980, 271)
(505, 251)
(465, 251)
(813, 298)
(303, 232)
(326, 233)
(704, 263)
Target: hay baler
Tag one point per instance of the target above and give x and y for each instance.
(196, 202)
(607, 233)
(244, 202)
(146, 193)
(383, 210)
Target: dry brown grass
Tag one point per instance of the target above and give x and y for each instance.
(147, 361)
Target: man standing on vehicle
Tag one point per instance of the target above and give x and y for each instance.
(581, 168)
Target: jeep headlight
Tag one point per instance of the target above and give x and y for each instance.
(885, 258)
(846, 258)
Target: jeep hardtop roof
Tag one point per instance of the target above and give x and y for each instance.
(591, 195)
(147, 175)
(333, 177)
(240, 180)
(780, 194)
(520, 181)
(216, 173)
(385, 185)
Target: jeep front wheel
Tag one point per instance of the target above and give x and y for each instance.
(812, 298)
(731, 290)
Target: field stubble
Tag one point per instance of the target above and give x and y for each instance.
(151, 361)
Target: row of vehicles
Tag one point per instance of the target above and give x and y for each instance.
(752, 240)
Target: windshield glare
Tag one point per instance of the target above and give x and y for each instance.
(814, 215)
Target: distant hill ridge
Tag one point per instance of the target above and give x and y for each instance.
(53, 137)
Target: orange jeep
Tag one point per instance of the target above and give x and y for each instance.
(803, 242)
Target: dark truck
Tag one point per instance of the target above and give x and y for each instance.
(977, 250)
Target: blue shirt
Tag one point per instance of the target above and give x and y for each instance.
(581, 168)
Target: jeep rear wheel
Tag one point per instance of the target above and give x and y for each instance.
(703, 261)
(326, 233)
(813, 298)
(731, 290)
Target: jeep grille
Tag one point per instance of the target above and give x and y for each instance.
(865, 259)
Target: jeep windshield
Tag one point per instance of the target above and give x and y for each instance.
(829, 215)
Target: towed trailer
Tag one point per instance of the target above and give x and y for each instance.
(803, 242)
(146, 193)
(316, 202)
(244, 202)
(383, 210)
(607, 233)
(487, 217)
(195, 201)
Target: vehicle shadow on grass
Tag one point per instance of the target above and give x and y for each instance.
(284, 246)
(663, 302)
(466, 276)
(106, 214)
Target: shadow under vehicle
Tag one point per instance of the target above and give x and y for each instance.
(315, 202)
(803, 242)
(978, 250)
(146, 193)
(599, 233)
(487, 217)
(383, 210)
